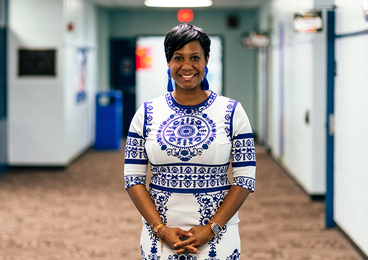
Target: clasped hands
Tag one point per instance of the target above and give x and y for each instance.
(188, 241)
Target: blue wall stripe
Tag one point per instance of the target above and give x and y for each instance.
(329, 198)
(3, 90)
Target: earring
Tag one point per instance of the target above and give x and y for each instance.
(169, 84)
(205, 84)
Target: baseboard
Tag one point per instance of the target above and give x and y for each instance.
(352, 243)
(3, 169)
(313, 197)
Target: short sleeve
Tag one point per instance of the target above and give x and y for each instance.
(136, 161)
(243, 156)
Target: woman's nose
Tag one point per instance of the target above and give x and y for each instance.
(187, 65)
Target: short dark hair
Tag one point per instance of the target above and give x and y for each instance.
(181, 34)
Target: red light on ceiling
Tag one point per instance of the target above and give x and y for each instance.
(185, 15)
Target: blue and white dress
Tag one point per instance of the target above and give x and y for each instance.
(189, 149)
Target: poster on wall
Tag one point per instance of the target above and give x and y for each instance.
(308, 21)
(365, 9)
(81, 62)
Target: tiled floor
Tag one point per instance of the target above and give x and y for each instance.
(83, 212)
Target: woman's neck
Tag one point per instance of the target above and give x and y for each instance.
(191, 98)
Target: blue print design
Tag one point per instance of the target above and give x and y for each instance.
(187, 132)
(160, 198)
(153, 253)
(182, 257)
(186, 136)
(209, 204)
(234, 256)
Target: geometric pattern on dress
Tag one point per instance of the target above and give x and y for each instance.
(243, 151)
(184, 256)
(147, 118)
(192, 110)
(245, 182)
(134, 180)
(186, 136)
(190, 176)
(135, 152)
(230, 108)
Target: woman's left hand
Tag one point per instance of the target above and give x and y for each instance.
(201, 235)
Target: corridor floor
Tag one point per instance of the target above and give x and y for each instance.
(83, 212)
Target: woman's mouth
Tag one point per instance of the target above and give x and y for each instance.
(187, 76)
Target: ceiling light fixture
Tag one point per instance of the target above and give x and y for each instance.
(178, 3)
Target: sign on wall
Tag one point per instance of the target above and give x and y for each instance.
(36, 62)
(308, 21)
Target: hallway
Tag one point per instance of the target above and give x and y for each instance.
(83, 212)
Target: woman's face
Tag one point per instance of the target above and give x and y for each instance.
(188, 66)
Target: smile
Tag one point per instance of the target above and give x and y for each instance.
(188, 76)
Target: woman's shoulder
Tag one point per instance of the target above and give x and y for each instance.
(158, 99)
(225, 98)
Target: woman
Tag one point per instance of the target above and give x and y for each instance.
(189, 136)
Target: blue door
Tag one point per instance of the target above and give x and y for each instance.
(122, 77)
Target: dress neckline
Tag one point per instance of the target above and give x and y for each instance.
(206, 103)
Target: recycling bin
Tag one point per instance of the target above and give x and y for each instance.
(109, 120)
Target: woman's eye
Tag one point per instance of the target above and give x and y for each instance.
(196, 58)
(177, 58)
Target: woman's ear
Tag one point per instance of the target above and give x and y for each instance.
(208, 57)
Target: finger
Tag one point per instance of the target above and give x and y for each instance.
(184, 233)
(187, 249)
(183, 243)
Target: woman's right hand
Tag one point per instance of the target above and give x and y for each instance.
(175, 235)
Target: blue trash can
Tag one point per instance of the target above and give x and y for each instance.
(109, 120)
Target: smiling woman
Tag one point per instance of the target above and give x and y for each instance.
(189, 135)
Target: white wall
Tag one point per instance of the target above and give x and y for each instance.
(351, 125)
(46, 126)
(35, 105)
(79, 117)
(297, 88)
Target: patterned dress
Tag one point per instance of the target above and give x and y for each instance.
(189, 149)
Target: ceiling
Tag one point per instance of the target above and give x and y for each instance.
(217, 4)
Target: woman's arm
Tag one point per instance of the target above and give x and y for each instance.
(143, 202)
(202, 234)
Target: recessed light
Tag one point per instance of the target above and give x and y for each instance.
(178, 3)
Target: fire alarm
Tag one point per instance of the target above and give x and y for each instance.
(185, 15)
(70, 27)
